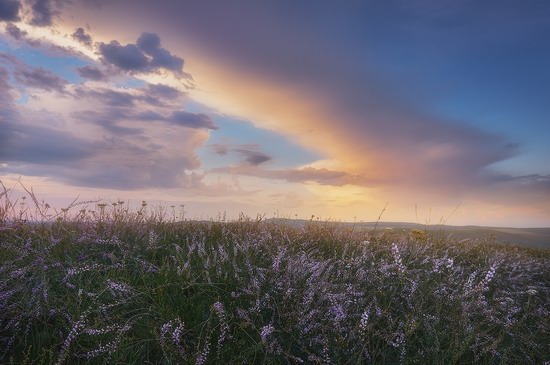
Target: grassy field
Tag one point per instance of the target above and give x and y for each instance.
(113, 286)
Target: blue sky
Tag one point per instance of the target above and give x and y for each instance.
(325, 108)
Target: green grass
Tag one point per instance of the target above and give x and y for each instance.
(120, 287)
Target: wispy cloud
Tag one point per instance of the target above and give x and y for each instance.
(321, 176)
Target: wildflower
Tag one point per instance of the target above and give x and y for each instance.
(109, 347)
(153, 239)
(364, 322)
(77, 326)
(224, 327)
(338, 313)
(203, 355)
(173, 330)
(265, 333)
(397, 258)
(119, 289)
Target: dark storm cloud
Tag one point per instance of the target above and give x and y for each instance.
(91, 73)
(192, 120)
(15, 32)
(9, 10)
(81, 36)
(145, 56)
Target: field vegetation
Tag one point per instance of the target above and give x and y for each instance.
(104, 284)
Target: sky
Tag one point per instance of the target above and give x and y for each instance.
(420, 110)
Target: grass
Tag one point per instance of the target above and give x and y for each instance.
(115, 286)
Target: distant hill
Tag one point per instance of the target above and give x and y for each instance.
(532, 237)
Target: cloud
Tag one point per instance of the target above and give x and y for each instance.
(20, 35)
(14, 31)
(156, 95)
(9, 10)
(81, 36)
(192, 120)
(21, 142)
(335, 91)
(149, 43)
(321, 176)
(42, 13)
(109, 137)
(148, 115)
(252, 155)
(164, 91)
(220, 149)
(534, 184)
(145, 56)
(113, 163)
(35, 77)
(42, 79)
(139, 161)
(109, 119)
(161, 95)
(7, 107)
(121, 106)
(127, 58)
(39, 145)
(91, 73)
(110, 97)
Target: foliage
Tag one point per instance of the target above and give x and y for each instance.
(109, 285)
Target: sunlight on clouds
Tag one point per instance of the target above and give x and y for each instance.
(59, 37)
(369, 143)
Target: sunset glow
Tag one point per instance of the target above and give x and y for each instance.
(437, 111)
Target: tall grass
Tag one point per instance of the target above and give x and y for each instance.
(110, 285)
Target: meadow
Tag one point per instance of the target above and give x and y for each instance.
(111, 285)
